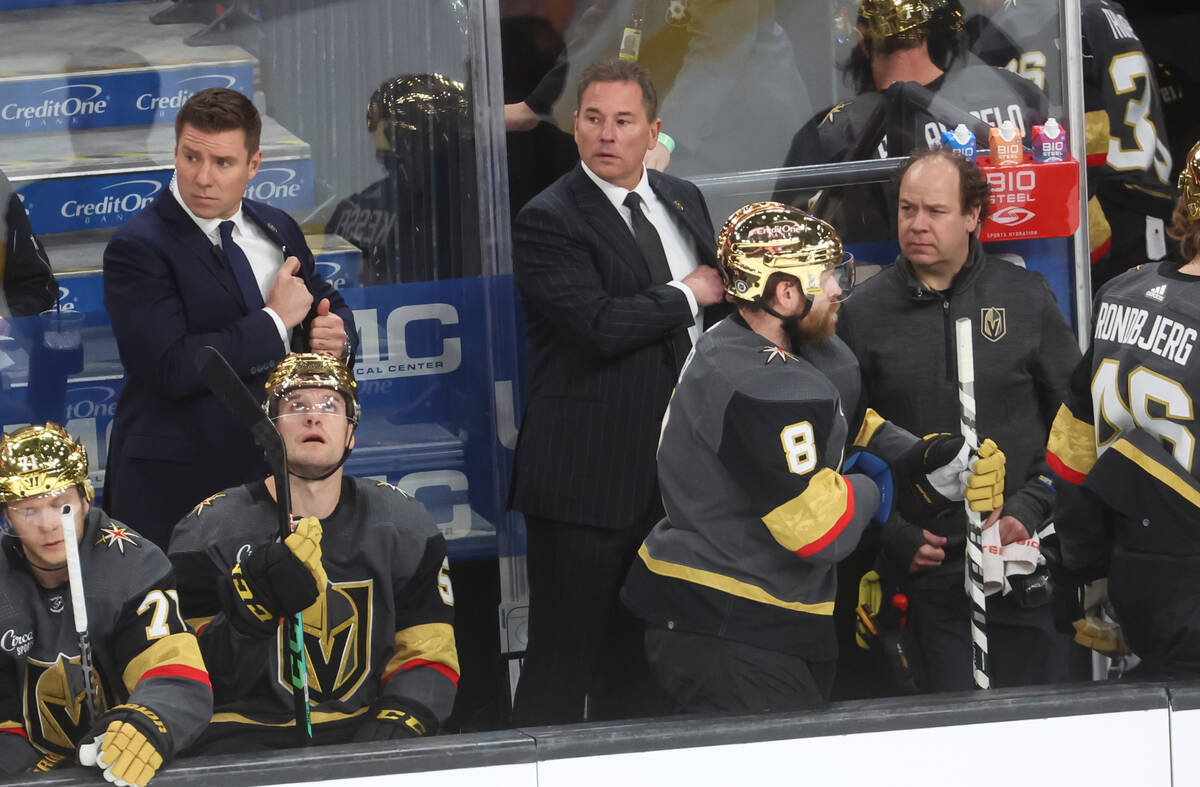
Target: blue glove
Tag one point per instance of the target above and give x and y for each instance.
(877, 470)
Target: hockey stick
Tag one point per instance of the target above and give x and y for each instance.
(79, 608)
(974, 565)
(229, 389)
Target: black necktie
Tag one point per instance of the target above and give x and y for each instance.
(241, 268)
(650, 244)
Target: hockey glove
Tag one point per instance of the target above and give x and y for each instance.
(985, 483)
(391, 719)
(933, 469)
(878, 471)
(278, 580)
(129, 744)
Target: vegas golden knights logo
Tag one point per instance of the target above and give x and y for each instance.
(992, 323)
(56, 711)
(337, 642)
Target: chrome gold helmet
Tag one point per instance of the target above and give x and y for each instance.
(312, 370)
(883, 19)
(41, 460)
(1189, 183)
(768, 237)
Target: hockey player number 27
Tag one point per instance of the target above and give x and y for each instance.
(164, 602)
(799, 448)
(1145, 386)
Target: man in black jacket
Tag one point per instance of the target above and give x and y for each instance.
(900, 325)
(613, 264)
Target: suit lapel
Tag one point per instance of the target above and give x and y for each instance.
(687, 212)
(189, 236)
(251, 211)
(608, 223)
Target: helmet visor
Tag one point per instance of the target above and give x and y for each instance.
(836, 282)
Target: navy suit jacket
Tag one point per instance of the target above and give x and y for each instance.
(169, 292)
(601, 366)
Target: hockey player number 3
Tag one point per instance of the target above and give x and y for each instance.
(798, 447)
(164, 602)
(1125, 71)
(1145, 386)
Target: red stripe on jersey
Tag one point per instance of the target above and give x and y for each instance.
(1101, 250)
(450, 674)
(178, 671)
(16, 731)
(838, 526)
(1097, 159)
(1066, 472)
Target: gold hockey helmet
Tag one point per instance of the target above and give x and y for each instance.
(312, 370)
(1189, 183)
(41, 460)
(766, 237)
(882, 19)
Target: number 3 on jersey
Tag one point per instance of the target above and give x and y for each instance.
(1171, 403)
(1129, 72)
(799, 448)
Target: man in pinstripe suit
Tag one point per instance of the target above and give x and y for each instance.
(614, 263)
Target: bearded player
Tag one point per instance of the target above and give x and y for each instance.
(365, 565)
(150, 688)
(737, 583)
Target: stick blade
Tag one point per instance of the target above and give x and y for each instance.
(228, 387)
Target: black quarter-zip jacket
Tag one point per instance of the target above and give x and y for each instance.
(903, 336)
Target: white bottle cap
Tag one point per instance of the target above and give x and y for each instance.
(962, 134)
(1008, 130)
(1052, 129)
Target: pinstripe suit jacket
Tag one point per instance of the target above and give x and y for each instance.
(600, 363)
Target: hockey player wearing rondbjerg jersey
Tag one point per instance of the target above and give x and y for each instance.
(737, 582)
(150, 686)
(1123, 448)
(1129, 162)
(365, 565)
(912, 85)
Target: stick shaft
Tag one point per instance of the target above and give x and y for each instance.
(79, 606)
(974, 562)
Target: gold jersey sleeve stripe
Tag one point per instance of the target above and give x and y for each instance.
(810, 520)
(175, 654)
(1071, 448)
(1157, 470)
(734, 587)
(197, 624)
(870, 425)
(318, 717)
(429, 644)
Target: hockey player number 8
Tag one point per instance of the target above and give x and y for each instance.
(798, 447)
(1145, 386)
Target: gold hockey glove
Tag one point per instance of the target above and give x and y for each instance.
(985, 483)
(129, 744)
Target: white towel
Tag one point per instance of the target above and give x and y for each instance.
(1002, 562)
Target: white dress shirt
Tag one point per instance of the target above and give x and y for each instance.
(264, 255)
(679, 246)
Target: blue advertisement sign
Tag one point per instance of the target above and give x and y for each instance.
(129, 98)
(431, 387)
(100, 201)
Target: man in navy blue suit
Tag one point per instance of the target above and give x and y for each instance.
(203, 266)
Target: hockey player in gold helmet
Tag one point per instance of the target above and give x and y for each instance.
(133, 672)
(365, 566)
(766, 238)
